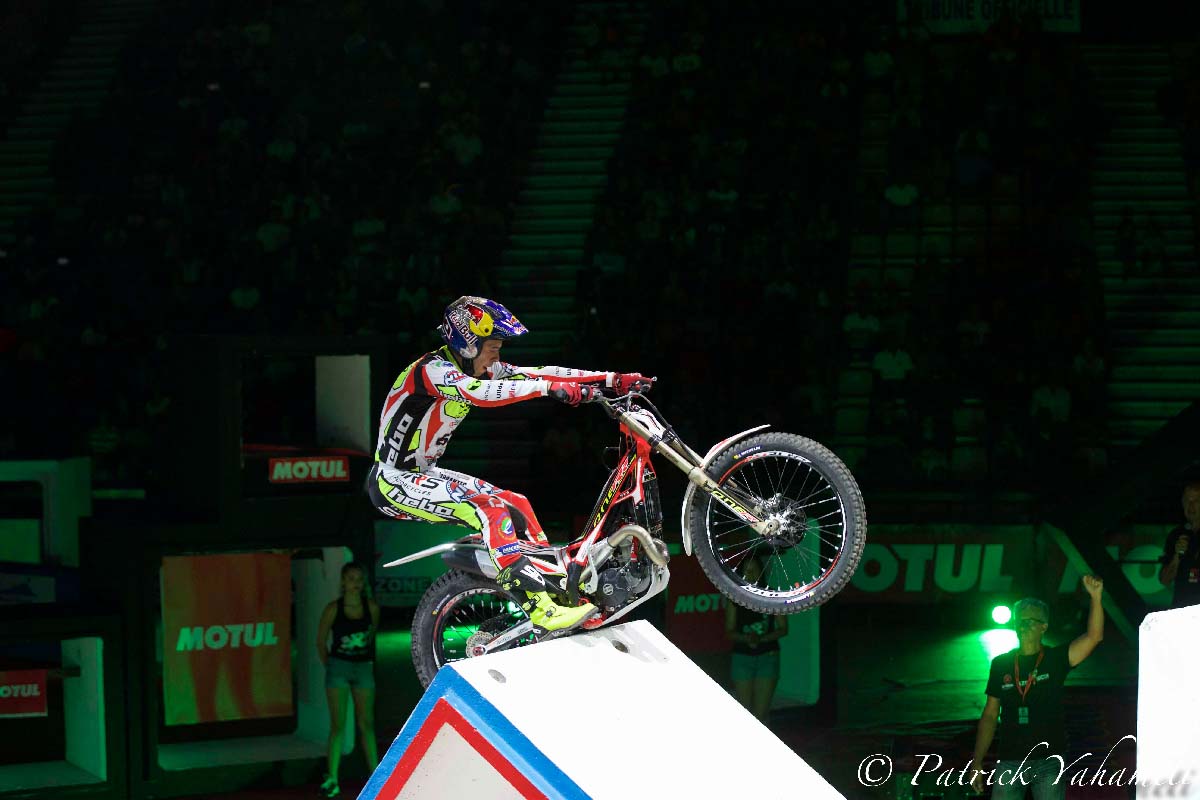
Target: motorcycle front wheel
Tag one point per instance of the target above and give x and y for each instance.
(822, 525)
(458, 611)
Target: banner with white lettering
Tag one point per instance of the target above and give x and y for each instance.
(226, 637)
(312, 469)
(932, 563)
(22, 693)
(695, 617)
(951, 17)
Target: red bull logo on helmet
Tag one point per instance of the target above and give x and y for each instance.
(480, 323)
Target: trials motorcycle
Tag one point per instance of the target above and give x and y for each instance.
(780, 499)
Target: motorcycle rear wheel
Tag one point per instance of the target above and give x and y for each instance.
(454, 608)
(802, 484)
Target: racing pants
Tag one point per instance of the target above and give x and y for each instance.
(442, 495)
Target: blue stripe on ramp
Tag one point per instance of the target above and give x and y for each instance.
(496, 728)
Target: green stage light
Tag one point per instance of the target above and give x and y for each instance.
(1001, 615)
(998, 641)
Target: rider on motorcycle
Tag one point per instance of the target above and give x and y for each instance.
(424, 406)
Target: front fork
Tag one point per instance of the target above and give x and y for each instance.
(740, 503)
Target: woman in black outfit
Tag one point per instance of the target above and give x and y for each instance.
(349, 662)
(754, 665)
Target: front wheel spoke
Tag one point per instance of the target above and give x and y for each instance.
(729, 520)
(774, 484)
(757, 484)
(797, 468)
(825, 486)
(803, 484)
(802, 504)
(799, 489)
(818, 533)
(810, 569)
(740, 555)
(728, 530)
(739, 543)
(784, 567)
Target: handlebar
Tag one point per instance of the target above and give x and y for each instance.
(593, 393)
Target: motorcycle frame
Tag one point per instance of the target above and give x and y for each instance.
(647, 425)
(643, 431)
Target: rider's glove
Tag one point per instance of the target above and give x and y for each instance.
(623, 382)
(570, 393)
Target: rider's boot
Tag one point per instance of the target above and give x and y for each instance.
(544, 613)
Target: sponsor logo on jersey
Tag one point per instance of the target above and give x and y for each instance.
(309, 470)
(397, 494)
(511, 547)
(395, 442)
(221, 637)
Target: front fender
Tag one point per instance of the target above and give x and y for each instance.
(689, 495)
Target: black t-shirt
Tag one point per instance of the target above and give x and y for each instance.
(1044, 699)
(352, 639)
(753, 622)
(1187, 579)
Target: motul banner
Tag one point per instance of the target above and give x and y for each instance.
(695, 610)
(226, 637)
(322, 469)
(930, 563)
(23, 693)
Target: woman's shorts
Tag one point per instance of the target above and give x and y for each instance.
(750, 668)
(342, 674)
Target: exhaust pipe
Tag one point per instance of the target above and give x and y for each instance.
(657, 551)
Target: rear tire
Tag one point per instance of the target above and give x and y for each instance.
(823, 533)
(452, 609)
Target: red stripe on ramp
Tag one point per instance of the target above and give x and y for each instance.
(444, 714)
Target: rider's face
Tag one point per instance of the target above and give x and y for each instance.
(488, 354)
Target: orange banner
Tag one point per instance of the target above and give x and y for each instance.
(226, 637)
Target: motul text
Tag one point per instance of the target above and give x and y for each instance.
(309, 470)
(219, 637)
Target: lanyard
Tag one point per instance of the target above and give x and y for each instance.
(1032, 678)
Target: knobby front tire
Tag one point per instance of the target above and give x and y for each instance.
(823, 519)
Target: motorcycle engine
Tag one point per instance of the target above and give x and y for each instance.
(619, 586)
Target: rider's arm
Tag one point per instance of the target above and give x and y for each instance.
(443, 377)
(731, 631)
(373, 609)
(778, 631)
(503, 370)
(323, 631)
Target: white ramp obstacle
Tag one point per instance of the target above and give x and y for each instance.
(1168, 717)
(613, 714)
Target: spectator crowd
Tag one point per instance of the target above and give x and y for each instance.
(347, 168)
